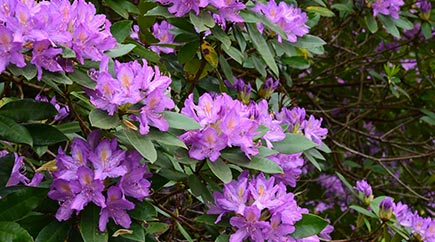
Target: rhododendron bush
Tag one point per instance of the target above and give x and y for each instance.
(212, 120)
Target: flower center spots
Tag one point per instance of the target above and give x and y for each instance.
(125, 80)
(87, 179)
(261, 191)
(22, 18)
(240, 192)
(6, 9)
(104, 156)
(65, 188)
(210, 138)
(106, 89)
(5, 39)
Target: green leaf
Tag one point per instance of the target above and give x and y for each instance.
(156, 227)
(120, 50)
(121, 30)
(28, 109)
(221, 170)
(371, 23)
(312, 160)
(81, 78)
(296, 62)
(223, 238)
(122, 7)
(346, 183)
(257, 162)
(101, 119)
(44, 134)
(143, 211)
(309, 42)
(320, 11)
(234, 53)
(180, 121)
(187, 52)
(6, 164)
(16, 205)
(13, 232)
(203, 21)
(221, 36)
(342, 7)
(262, 47)
(166, 138)
(254, 18)
(138, 233)
(309, 225)
(57, 77)
(403, 23)
(89, 225)
(226, 68)
(184, 232)
(13, 132)
(54, 232)
(293, 143)
(389, 25)
(142, 143)
(29, 71)
(69, 128)
(426, 29)
(363, 211)
(68, 53)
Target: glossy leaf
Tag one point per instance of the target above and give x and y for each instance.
(13, 132)
(220, 170)
(120, 50)
(363, 211)
(293, 143)
(309, 225)
(142, 143)
(322, 11)
(143, 211)
(89, 218)
(54, 232)
(44, 134)
(296, 62)
(20, 203)
(121, 30)
(262, 47)
(28, 109)
(101, 119)
(371, 23)
(181, 121)
(13, 232)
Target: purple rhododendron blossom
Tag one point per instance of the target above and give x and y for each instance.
(249, 226)
(17, 175)
(180, 7)
(387, 7)
(364, 187)
(63, 112)
(227, 9)
(91, 190)
(162, 32)
(116, 204)
(291, 19)
(9, 50)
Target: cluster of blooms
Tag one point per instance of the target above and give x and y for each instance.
(225, 9)
(263, 209)
(291, 19)
(423, 228)
(133, 83)
(335, 193)
(81, 178)
(161, 32)
(62, 111)
(44, 27)
(387, 7)
(18, 173)
(225, 123)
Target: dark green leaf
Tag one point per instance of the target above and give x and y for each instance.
(69, 128)
(371, 23)
(426, 29)
(120, 50)
(293, 143)
(221, 170)
(322, 11)
(313, 160)
(82, 79)
(28, 109)
(188, 51)
(262, 47)
(309, 225)
(20, 203)
(363, 211)
(166, 138)
(44, 134)
(403, 23)
(346, 183)
(6, 164)
(138, 233)
(221, 36)
(184, 232)
(121, 30)
(226, 68)
(254, 18)
(148, 55)
(234, 53)
(142, 143)
(13, 132)
(29, 71)
(53, 232)
(101, 119)
(143, 211)
(57, 77)
(309, 42)
(156, 227)
(13, 232)
(296, 62)
(122, 7)
(222, 238)
(89, 225)
(180, 121)
(342, 7)
(68, 53)
(257, 163)
(203, 21)
(389, 25)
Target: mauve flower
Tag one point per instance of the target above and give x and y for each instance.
(64, 191)
(9, 50)
(249, 226)
(386, 208)
(91, 190)
(68, 165)
(208, 145)
(181, 7)
(17, 175)
(115, 208)
(363, 187)
(313, 130)
(387, 7)
(107, 158)
(162, 32)
(228, 9)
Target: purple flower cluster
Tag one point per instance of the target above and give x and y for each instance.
(387, 7)
(243, 89)
(263, 209)
(335, 192)
(42, 28)
(422, 228)
(133, 83)
(225, 123)
(366, 190)
(81, 178)
(162, 32)
(291, 19)
(226, 9)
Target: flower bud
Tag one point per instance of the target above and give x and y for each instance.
(386, 209)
